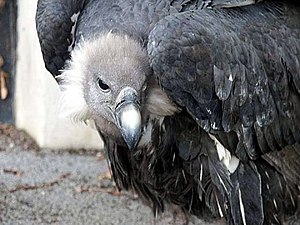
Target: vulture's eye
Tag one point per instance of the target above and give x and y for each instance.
(104, 87)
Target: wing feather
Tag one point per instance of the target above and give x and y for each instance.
(54, 21)
(233, 71)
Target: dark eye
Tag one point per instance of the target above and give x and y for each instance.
(104, 87)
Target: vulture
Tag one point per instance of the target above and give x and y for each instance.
(197, 102)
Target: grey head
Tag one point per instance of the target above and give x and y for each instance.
(105, 81)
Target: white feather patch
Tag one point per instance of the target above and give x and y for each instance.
(242, 208)
(146, 138)
(230, 161)
(219, 208)
(74, 19)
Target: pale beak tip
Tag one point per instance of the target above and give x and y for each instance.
(129, 122)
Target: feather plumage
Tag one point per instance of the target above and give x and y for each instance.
(219, 98)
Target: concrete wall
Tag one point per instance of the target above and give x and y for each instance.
(37, 94)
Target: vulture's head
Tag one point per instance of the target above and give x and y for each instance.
(106, 80)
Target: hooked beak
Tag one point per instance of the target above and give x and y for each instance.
(128, 116)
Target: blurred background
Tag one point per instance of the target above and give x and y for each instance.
(30, 95)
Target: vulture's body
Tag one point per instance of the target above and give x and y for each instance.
(198, 102)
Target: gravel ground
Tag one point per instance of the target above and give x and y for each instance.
(42, 186)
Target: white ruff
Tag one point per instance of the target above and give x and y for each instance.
(72, 103)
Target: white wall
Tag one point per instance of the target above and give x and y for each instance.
(37, 94)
